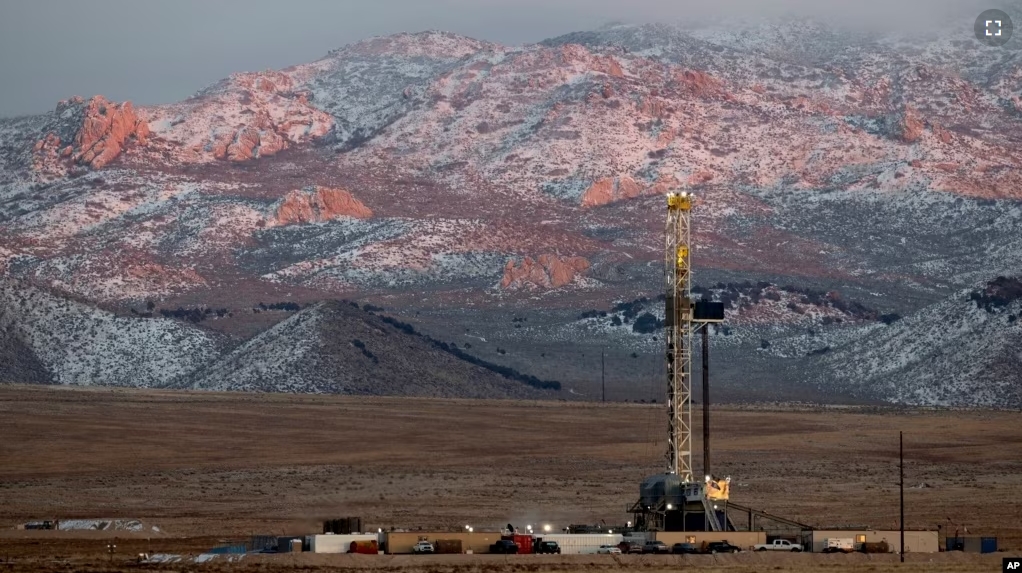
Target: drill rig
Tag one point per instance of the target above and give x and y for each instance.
(678, 319)
(674, 500)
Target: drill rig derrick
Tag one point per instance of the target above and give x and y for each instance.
(678, 318)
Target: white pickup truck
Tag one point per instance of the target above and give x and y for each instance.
(779, 545)
(423, 547)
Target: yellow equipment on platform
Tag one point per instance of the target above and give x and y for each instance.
(718, 490)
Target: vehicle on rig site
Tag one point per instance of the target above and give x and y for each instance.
(546, 547)
(778, 545)
(721, 547)
(684, 549)
(505, 546)
(423, 547)
(630, 547)
(655, 547)
(838, 545)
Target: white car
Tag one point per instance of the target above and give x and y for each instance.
(609, 550)
(422, 547)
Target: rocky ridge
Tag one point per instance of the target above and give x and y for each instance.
(441, 172)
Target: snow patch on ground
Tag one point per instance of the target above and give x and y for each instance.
(100, 525)
(82, 345)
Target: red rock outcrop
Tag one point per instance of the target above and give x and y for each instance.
(701, 176)
(599, 193)
(663, 185)
(98, 131)
(106, 129)
(610, 66)
(260, 139)
(942, 135)
(654, 107)
(611, 189)
(318, 204)
(545, 271)
(699, 84)
(910, 126)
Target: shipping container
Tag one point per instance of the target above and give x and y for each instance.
(287, 544)
(581, 543)
(916, 541)
(972, 544)
(447, 546)
(524, 542)
(743, 539)
(399, 542)
(336, 543)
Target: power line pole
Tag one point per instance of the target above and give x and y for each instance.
(706, 400)
(901, 464)
(603, 374)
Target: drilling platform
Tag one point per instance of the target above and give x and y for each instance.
(675, 500)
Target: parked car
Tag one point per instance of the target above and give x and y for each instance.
(505, 546)
(721, 547)
(609, 550)
(655, 547)
(423, 547)
(684, 548)
(630, 547)
(546, 547)
(778, 545)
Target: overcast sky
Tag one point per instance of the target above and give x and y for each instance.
(155, 51)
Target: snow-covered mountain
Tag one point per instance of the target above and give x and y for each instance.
(462, 183)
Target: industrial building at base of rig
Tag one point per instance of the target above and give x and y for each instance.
(402, 542)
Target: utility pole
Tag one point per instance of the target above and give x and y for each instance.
(901, 467)
(706, 400)
(603, 373)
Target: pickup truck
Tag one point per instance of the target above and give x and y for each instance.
(422, 547)
(546, 547)
(655, 547)
(778, 545)
(505, 546)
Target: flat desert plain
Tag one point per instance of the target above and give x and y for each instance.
(198, 469)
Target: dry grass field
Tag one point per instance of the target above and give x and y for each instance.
(207, 467)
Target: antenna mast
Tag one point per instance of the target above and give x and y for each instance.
(678, 319)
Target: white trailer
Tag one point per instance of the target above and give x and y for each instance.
(331, 543)
(581, 543)
(838, 545)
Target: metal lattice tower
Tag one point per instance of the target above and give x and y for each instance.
(678, 319)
